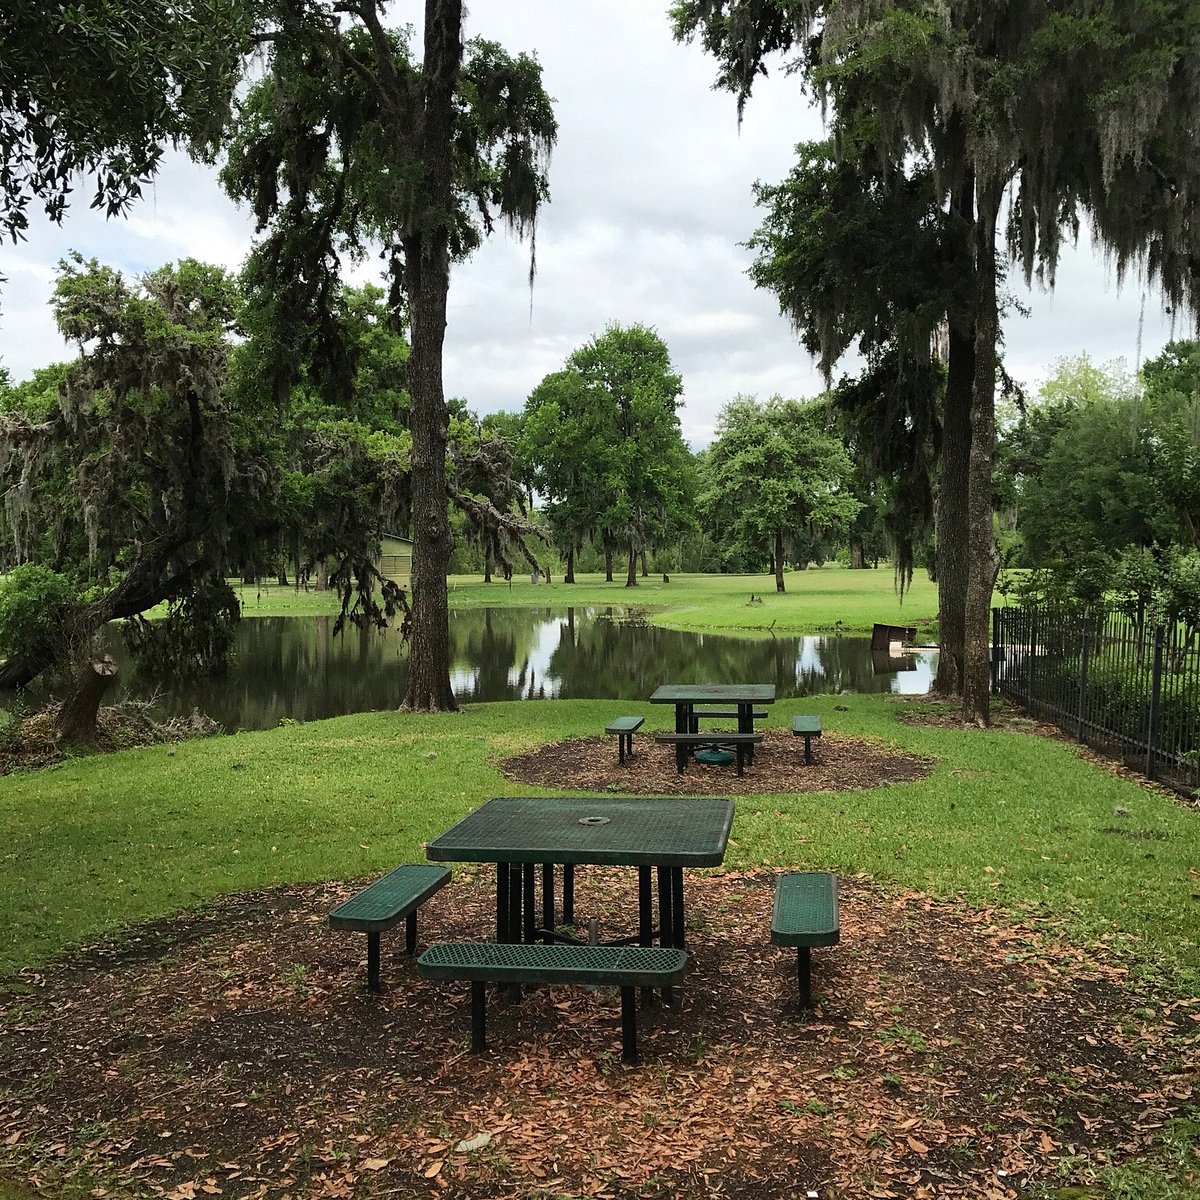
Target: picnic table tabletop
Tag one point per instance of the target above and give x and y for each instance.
(714, 693)
(634, 831)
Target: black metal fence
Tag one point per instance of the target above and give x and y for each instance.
(1128, 688)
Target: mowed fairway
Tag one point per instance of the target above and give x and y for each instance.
(821, 599)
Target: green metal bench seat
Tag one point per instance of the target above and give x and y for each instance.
(741, 743)
(805, 915)
(624, 728)
(807, 727)
(626, 967)
(384, 903)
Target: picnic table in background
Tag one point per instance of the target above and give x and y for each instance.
(690, 700)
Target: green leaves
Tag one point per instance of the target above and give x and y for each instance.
(99, 90)
(774, 468)
(604, 439)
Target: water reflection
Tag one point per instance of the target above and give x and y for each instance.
(294, 668)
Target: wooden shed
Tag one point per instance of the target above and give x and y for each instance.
(395, 559)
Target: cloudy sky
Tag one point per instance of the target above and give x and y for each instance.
(650, 202)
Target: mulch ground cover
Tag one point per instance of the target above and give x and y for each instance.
(840, 763)
(32, 742)
(233, 1051)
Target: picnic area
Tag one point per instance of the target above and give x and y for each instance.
(970, 1031)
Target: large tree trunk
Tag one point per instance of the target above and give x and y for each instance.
(645, 568)
(487, 564)
(950, 517)
(76, 721)
(981, 543)
(322, 575)
(569, 577)
(856, 555)
(778, 557)
(631, 574)
(608, 557)
(427, 282)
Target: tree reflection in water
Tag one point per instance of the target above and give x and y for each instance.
(293, 668)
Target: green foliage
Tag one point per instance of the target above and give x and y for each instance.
(855, 256)
(34, 602)
(1104, 466)
(98, 90)
(143, 476)
(195, 636)
(775, 471)
(603, 441)
(327, 150)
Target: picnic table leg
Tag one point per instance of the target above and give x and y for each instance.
(666, 911)
(645, 918)
(410, 933)
(804, 975)
(628, 1027)
(548, 899)
(528, 903)
(677, 929)
(568, 905)
(514, 902)
(373, 961)
(502, 902)
(683, 724)
(746, 725)
(645, 908)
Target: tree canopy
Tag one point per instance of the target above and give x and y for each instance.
(99, 90)
(1070, 112)
(604, 439)
(775, 471)
(135, 478)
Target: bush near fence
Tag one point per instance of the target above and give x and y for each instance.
(1109, 679)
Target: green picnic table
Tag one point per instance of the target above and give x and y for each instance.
(689, 697)
(658, 835)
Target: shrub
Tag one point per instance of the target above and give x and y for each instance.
(34, 602)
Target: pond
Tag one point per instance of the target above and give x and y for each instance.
(294, 668)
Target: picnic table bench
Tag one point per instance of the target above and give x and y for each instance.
(624, 728)
(807, 727)
(724, 714)
(805, 915)
(741, 743)
(384, 903)
(626, 967)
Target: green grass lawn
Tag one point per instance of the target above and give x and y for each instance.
(1005, 819)
(817, 599)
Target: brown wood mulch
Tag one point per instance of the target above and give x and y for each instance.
(33, 741)
(233, 1051)
(840, 763)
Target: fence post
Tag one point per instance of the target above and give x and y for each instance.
(1083, 675)
(1155, 696)
(1031, 659)
(996, 648)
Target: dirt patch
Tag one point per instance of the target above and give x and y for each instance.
(31, 742)
(840, 764)
(234, 1052)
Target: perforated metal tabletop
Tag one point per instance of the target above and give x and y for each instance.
(668, 831)
(714, 693)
